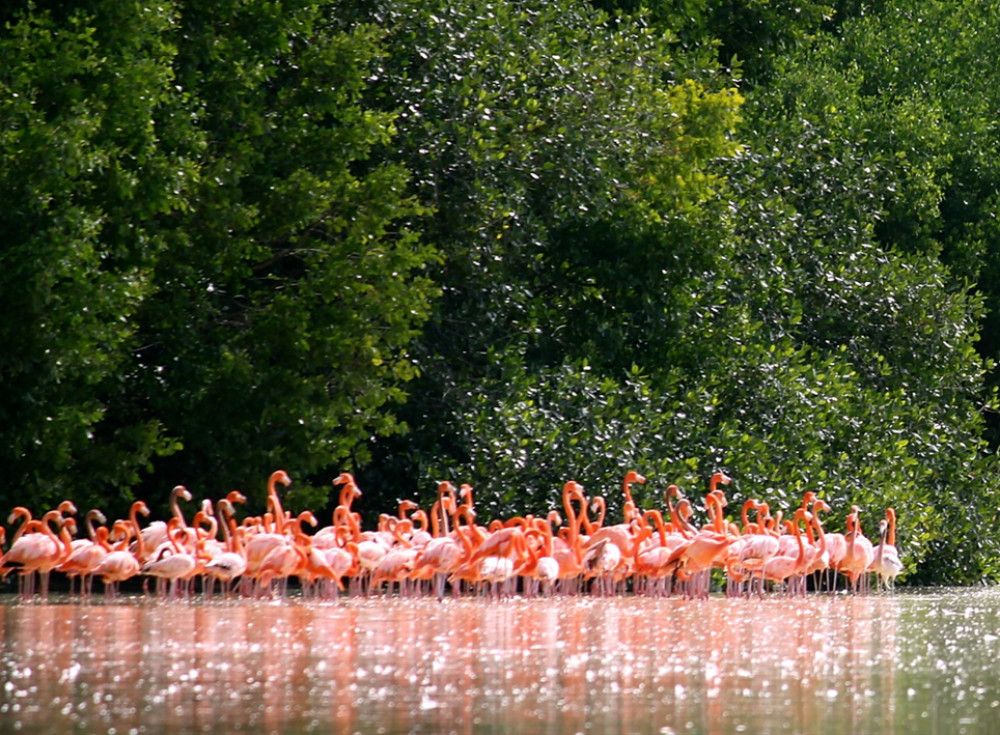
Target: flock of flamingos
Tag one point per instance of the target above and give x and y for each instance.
(444, 551)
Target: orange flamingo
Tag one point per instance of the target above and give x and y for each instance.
(694, 559)
(273, 501)
(416, 546)
(630, 510)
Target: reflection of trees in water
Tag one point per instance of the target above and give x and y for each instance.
(562, 666)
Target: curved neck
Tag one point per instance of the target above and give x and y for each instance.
(175, 505)
(134, 522)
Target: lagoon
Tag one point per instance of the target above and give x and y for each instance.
(911, 662)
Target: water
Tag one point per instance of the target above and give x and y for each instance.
(909, 664)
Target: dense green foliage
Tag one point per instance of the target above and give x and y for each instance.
(506, 243)
(205, 276)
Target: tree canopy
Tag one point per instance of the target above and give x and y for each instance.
(509, 244)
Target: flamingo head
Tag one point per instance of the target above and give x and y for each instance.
(19, 511)
(66, 507)
(235, 496)
(182, 492)
(633, 476)
(282, 477)
(344, 478)
(717, 479)
(719, 497)
(120, 530)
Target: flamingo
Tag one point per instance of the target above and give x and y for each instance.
(441, 554)
(748, 554)
(652, 562)
(540, 568)
(718, 478)
(781, 569)
(602, 561)
(281, 563)
(630, 511)
(231, 563)
(836, 544)
(155, 534)
(394, 567)
(173, 563)
(39, 551)
(620, 534)
(860, 553)
(415, 546)
(258, 547)
(86, 555)
(273, 501)
(19, 512)
(121, 564)
(341, 561)
(885, 560)
(569, 555)
(316, 569)
(330, 537)
(819, 557)
(694, 558)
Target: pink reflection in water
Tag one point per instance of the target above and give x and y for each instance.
(561, 666)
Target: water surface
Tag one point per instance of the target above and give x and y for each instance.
(908, 663)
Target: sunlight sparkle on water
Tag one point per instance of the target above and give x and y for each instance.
(914, 662)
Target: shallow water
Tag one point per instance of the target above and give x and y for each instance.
(908, 663)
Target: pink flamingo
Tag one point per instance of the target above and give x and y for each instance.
(860, 553)
(232, 562)
(172, 564)
(39, 551)
(781, 569)
(121, 564)
(885, 562)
